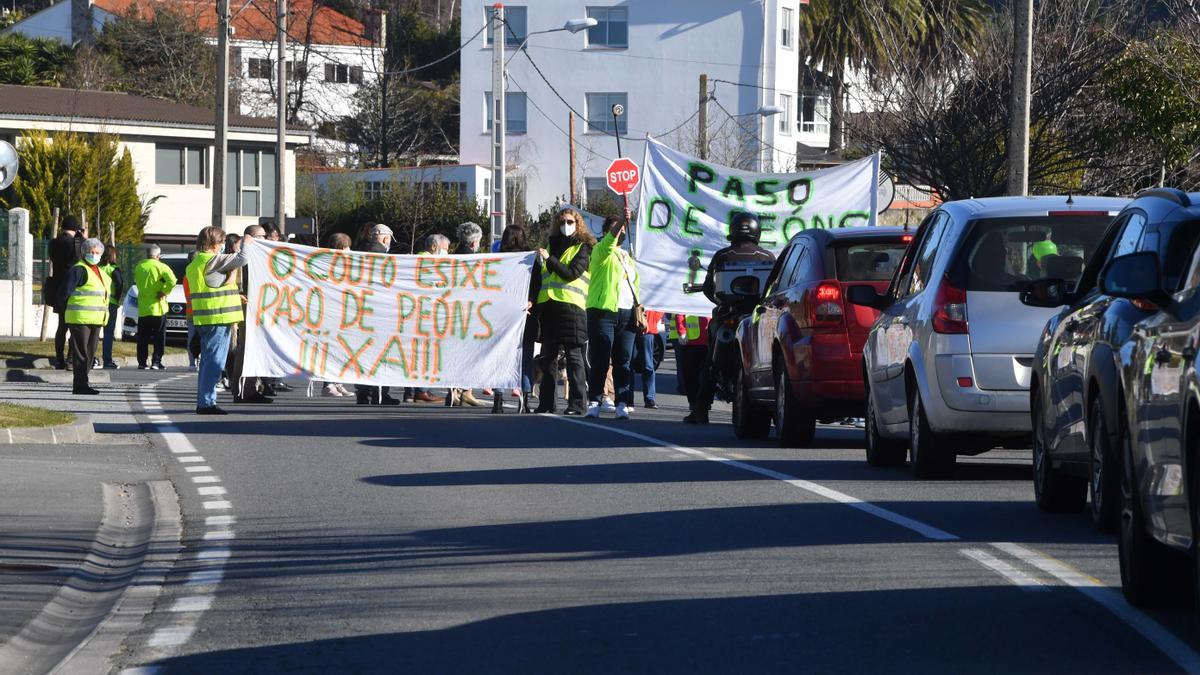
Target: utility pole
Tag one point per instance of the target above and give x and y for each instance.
(702, 137)
(571, 129)
(1022, 85)
(221, 142)
(281, 123)
(498, 122)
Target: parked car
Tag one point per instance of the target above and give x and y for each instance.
(1074, 392)
(948, 362)
(1159, 432)
(177, 325)
(801, 349)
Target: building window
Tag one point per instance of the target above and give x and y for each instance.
(515, 31)
(612, 29)
(785, 118)
(814, 118)
(298, 71)
(340, 73)
(786, 21)
(595, 191)
(179, 165)
(515, 118)
(250, 182)
(259, 69)
(599, 112)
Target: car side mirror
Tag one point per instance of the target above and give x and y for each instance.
(1135, 276)
(866, 296)
(1047, 293)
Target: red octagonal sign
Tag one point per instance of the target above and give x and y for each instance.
(623, 176)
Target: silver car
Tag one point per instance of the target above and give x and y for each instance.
(947, 363)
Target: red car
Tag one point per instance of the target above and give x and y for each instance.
(802, 346)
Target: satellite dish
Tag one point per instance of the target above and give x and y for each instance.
(886, 191)
(8, 164)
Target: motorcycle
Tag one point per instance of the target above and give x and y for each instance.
(739, 288)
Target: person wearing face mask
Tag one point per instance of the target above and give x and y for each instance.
(612, 293)
(561, 307)
(469, 237)
(84, 296)
(216, 305)
(245, 391)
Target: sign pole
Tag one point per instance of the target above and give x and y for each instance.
(617, 111)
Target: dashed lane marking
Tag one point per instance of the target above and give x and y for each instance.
(1014, 575)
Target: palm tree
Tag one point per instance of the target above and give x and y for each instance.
(864, 36)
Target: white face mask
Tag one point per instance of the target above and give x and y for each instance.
(567, 229)
(92, 258)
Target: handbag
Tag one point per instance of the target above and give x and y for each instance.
(638, 311)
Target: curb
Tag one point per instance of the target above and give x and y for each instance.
(80, 431)
(49, 376)
(43, 363)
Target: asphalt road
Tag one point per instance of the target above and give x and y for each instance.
(421, 539)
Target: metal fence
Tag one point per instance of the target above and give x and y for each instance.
(128, 256)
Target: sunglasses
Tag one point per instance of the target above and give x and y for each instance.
(568, 221)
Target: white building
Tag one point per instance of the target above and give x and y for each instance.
(331, 56)
(649, 57)
(171, 145)
(470, 181)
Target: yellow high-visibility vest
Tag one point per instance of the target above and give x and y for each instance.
(555, 287)
(212, 306)
(88, 304)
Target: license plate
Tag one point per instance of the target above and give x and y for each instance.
(176, 323)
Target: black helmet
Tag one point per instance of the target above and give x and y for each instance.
(744, 227)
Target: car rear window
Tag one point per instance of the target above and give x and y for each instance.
(1004, 254)
(867, 261)
(178, 267)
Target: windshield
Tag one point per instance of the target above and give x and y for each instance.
(178, 267)
(1004, 254)
(867, 261)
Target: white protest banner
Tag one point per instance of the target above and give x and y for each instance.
(386, 320)
(687, 203)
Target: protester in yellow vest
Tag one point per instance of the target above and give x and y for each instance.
(116, 292)
(216, 304)
(154, 281)
(84, 296)
(561, 307)
(612, 293)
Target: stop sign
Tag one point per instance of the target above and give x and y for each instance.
(623, 176)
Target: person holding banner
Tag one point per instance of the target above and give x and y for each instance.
(561, 306)
(612, 293)
(216, 305)
(379, 240)
(469, 237)
(513, 240)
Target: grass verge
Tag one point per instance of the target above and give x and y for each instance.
(13, 416)
(33, 349)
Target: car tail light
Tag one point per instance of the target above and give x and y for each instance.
(826, 303)
(950, 309)
(1144, 305)
(965, 382)
(906, 238)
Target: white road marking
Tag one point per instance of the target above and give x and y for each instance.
(1017, 577)
(1177, 650)
(192, 603)
(218, 534)
(927, 531)
(205, 479)
(211, 491)
(197, 469)
(205, 577)
(217, 505)
(219, 520)
(214, 553)
(190, 458)
(172, 636)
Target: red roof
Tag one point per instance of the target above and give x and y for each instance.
(257, 20)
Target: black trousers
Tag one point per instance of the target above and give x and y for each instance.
(693, 364)
(151, 330)
(60, 337)
(576, 377)
(83, 350)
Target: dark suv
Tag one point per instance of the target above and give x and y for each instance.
(1074, 389)
(1159, 427)
(802, 346)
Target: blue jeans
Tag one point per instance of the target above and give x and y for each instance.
(610, 341)
(645, 364)
(527, 342)
(110, 330)
(214, 347)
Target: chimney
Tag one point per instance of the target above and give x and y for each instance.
(81, 22)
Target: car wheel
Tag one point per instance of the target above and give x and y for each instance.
(929, 454)
(881, 451)
(795, 426)
(1104, 485)
(1151, 573)
(750, 421)
(1052, 490)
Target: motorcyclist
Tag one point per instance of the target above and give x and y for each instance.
(744, 234)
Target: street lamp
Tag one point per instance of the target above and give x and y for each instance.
(499, 78)
(764, 112)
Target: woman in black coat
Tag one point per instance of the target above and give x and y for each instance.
(563, 324)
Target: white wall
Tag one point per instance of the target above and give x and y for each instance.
(472, 175)
(323, 101)
(671, 43)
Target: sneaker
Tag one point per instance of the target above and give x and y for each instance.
(157, 366)
(210, 410)
(111, 365)
(607, 405)
(651, 405)
(593, 409)
(342, 390)
(142, 366)
(283, 386)
(623, 411)
(96, 365)
(330, 390)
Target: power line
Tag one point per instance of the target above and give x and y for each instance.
(747, 131)
(440, 60)
(550, 119)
